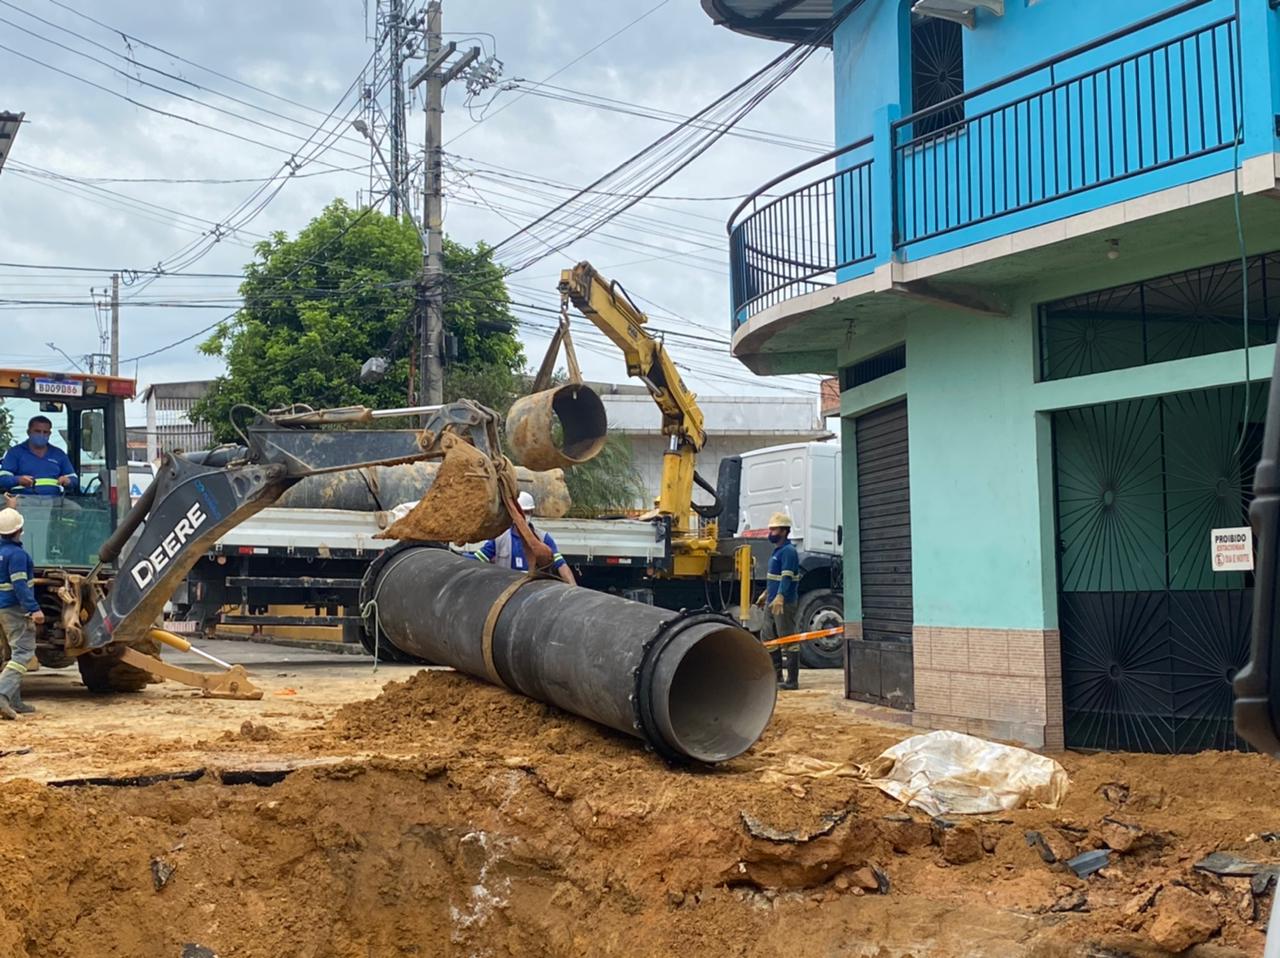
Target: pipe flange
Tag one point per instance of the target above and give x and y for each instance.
(645, 721)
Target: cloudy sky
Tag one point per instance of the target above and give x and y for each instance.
(89, 182)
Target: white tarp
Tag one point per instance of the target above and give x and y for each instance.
(945, 773)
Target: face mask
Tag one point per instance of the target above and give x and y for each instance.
(776, 537)
(38, 440)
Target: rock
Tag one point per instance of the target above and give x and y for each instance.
(907, 835)
(1117, 793)
(257, 733)
(1183, 919)
(161, 872)
(842, 882)
(1072, 900)
(1062, 848)
(870, 879)
(1121, 836)
(961, 844)
(989, 843)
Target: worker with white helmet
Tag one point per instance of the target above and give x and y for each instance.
(19, 613)
(508, 549)
(779, 598)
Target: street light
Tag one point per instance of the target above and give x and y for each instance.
(9, 123)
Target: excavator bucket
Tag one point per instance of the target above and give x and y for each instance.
(464, 504)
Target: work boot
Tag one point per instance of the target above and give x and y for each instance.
(793, 672)
(7, 711)
(19, 706)
(776, 655)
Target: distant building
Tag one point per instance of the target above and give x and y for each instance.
(734, 424)
(169, 425)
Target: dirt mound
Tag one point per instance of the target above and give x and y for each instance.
(505, 827)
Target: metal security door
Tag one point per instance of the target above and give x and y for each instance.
(1151, 636)
(879, 667)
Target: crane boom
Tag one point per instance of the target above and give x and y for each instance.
(606, 304)
(609, 307)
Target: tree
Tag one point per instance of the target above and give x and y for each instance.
(6, 426)
(609, 483)
(319, 305)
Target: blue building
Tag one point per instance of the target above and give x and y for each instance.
(1044, 261)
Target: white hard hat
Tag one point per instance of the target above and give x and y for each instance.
(525, 501)
(10, 522)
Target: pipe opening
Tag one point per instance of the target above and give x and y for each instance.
(720, 690)
(580, 423)
(557, 428)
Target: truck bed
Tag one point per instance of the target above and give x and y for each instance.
(334, 533)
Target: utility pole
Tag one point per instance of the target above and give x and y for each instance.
(115, 324)
(395, 37)
(430, 286)
(430, 367)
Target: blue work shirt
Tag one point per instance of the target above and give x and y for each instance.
(784, 572)
(45, 470)
(508, 550)
(16, 571)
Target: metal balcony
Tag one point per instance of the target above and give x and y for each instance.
(1004, 157)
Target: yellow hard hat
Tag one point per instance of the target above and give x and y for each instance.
(779, 519)
(10, 522)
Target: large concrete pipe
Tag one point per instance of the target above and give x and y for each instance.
(557, 428)
(693, 686)
(385, 487)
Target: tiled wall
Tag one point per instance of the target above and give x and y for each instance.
(997, 683)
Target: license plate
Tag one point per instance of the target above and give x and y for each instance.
(59, 387)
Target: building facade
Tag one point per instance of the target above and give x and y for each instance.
(169, 427)
(1042, 264)
(734, 425)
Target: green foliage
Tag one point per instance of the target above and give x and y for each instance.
(609, 483)
(494, 386)
(317, 306)
(6, 426)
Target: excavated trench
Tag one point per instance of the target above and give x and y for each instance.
(478, 823)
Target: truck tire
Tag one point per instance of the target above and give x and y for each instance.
(821, 609)
(104, 672)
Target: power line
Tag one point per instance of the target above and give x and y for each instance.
(131, 38)
(643, 172)
(580, 98)
(146, 106)
(137, 63)
(578, 59)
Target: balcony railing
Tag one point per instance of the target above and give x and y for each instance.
(797, 242)
(1127, 104)
(1167, 103)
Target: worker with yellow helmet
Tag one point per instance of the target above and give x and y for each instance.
(779, 598)
(19, 613)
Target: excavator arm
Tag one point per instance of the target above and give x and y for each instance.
(606, 304)
(196, 499)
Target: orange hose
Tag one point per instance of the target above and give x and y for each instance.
(804, 637)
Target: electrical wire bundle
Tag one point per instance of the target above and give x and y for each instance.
(642, 173)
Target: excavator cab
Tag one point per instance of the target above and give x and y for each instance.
(65, 531)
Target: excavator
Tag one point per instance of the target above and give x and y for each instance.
(104, 573)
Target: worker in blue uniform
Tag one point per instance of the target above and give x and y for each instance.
(35, 467)
(508, 549)
(19, 614)
(779, 599)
